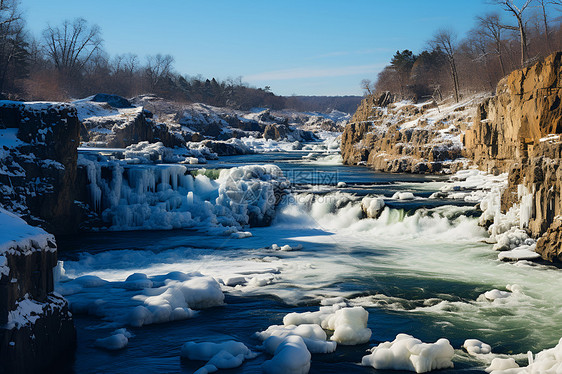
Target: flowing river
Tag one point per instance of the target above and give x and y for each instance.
(421, 268)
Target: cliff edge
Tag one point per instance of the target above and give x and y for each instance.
(36, 327)
(406, 137)
(519, 131)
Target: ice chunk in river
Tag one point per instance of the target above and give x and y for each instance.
(291, 356)
(226, 355)
(409, 353)
(349, 324)
(476, 347)
(313, 336)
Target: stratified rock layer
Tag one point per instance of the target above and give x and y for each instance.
(525, 109)
(36, 327)
(37, 176)
(402, 137)
(516, 132)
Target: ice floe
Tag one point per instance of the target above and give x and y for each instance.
(411, 354)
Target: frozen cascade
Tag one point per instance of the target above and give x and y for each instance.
(131, 197)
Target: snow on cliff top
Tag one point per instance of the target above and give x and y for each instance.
(15, 232)
(8, 139)
(92, 110)
(34, 105)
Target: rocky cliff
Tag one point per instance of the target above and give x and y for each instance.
(36, 327)
(518, 131)
(38, 169)
(525, 109)
(406, 137)
(38, 155)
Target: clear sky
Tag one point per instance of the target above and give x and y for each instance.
(303, 47)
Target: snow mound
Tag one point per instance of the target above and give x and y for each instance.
(546, 361)
(137, 281)
(291, 357)
(16, 234)
(372, 206)
(174, 301)
(286, 247)
(411, 354)
(403, 196)
(226, 355)
(496, 294)
(503, 365)
(476, 347)
(349, 324)
(148, 153)
(313, 336)
(118, 340)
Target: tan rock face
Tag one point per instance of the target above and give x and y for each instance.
(512, 133)
(403, 138)
(525, 109)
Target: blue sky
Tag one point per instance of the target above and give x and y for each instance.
(305, 47)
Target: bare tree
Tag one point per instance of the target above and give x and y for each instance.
(13, 52)
(366, 85)
(542, 5)
(445, 41)
(158, 67)
(511, 7)
(71, 45)
(491, 28)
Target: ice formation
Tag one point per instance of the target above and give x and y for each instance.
(546, 361)
(372, 206)
(116, 341)
(171, 197)
(507, 230)
(226, 355)
(174, 300)
(157, 299)
(148, 153)
(313, 336)
(409, 353)
(403, 196)
(290, 357)
(349, 324)
(476, 347)
(502, 365)
(496, 294)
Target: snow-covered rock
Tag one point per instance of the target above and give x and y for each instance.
(411, 354)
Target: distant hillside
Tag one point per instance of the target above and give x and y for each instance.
(347, 104)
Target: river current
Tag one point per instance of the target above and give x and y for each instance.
(420, 268)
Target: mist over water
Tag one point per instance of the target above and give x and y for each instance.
(420, 268)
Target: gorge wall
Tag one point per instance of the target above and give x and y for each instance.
(36, 327)
(38, 169)
(405, 137)
(518, 131)
(38, 156)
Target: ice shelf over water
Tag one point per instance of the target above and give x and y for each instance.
(171, 197)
